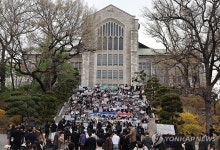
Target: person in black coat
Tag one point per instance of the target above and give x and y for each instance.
(81, 128)
(124, 142)
(204, 141)
(90, 127)
(90, 143)
(31, 136)
(16, 138)
(49, 145)
(140, 131)
(61, 124)
(53, 129)
(71, 146)
(75, 139)
(47, 129)
(147, 141)
(118, 127)
(101, 134)
(177, 144)
(190, 142)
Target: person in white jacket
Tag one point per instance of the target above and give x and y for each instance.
(115, 141)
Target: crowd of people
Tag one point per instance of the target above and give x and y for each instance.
(105, 106)
(74, 137)
(103, 119)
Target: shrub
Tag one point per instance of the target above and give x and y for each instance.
(191, 123)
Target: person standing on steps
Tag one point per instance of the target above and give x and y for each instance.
(115, 140)
(108, 142)
(47, 129)
(53, 129)
(82, 140)
(90, 143)
(132, 137)
(147, 141)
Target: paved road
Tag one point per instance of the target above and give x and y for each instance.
(3, 141)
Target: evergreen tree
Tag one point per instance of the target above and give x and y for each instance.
(171, 106)
(151, 88)
(20, 103)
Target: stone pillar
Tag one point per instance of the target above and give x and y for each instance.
(134, 55)
(85, 71)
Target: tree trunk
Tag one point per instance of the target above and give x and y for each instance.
(2, 76)
(12, 76)
(208, 114)
(2, 71)
(214, 107)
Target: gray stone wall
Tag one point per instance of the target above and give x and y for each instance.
(130, 62)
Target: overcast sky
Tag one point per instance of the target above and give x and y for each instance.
(133, 7)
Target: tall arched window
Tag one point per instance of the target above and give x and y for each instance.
(110, 41)
(112, 36)
(116, 43)
(121, 44)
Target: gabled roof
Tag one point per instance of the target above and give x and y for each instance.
(109, 6)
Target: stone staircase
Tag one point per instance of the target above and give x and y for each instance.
(151, 128)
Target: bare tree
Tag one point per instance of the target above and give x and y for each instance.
(15, 22)
(61, 27)
(190, 30)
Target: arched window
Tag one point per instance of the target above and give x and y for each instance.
(111, 35)
(116, 43)
(110, 43)
(103, 31)
(121, 43)
(105, 43)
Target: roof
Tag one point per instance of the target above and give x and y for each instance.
(150, 51)
(140, 45)
(110, 6)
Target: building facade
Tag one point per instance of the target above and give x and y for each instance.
(115, 59)
(118, 54)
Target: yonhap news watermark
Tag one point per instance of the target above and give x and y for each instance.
(183, 139)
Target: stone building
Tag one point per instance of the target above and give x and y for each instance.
(115, 59)
(118, 54)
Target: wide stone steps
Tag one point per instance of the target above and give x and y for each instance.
(151, 127)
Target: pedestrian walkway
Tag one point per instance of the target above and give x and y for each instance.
(3, 141)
